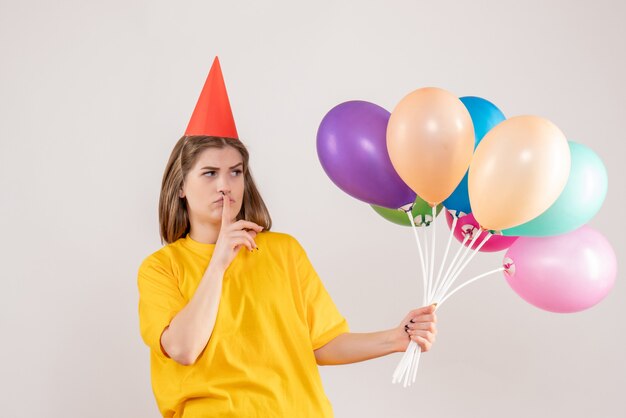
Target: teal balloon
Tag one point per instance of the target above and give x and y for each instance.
(485, 115)
(580, 200)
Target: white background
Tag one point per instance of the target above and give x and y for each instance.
(93, 96)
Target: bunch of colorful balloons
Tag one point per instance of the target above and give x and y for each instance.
(515, 184)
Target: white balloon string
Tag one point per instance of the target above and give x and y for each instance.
(411, 370)
(408, 354)
(449, 269)
(445, 257)
(436, 288)
(419, 248)
(406, 371)
(396, 372)
(417, 362)
(399, 373)
(460, 270)
(408, 367)
(413, 366)
(401, 369)
(432, 255)
(468, 282)
(466, 250)
(429, 254)
(424, 233)
(450, 277)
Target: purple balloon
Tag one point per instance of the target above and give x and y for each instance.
(352, 147)
(562, 273)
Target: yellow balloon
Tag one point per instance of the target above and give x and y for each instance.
(430, 139)
(518, 171)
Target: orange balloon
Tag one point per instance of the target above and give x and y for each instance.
(518, 171)
(430, 139)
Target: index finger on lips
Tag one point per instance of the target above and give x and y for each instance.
(225, 210)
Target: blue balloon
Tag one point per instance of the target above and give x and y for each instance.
(485, 115)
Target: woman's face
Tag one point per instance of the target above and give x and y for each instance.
(215, 170)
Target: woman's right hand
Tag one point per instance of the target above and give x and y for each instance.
(232, 237)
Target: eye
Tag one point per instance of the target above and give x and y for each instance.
(237, 172)
(209, 172)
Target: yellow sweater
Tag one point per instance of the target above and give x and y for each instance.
(259, 362)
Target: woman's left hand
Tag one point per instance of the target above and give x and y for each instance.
(419, 326)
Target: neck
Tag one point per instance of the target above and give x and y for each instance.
(204, 233)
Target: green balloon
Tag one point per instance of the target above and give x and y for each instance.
(420, 209)
(579, 201)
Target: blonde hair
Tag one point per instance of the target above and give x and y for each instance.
(173, 216)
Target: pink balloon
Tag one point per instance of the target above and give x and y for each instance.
(495, 243)
(562, 273)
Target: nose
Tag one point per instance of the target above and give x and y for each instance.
(223, 187)
(224, 191)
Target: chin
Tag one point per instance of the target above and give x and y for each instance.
(212, 216)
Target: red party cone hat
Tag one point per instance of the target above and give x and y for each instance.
(212, 115)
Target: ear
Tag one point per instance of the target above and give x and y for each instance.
(181, 193)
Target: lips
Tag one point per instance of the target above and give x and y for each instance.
(222, 200)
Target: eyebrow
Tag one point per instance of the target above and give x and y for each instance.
(217, 168)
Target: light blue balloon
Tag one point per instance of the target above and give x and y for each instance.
(579, 201)
(485, 115)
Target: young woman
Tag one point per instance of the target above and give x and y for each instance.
(236, 317)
